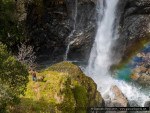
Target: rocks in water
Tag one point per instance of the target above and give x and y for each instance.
(147, 104)
(138, 72)
(135, 76)
(144, 80)
(117, 99)
(148, 72)
(141, 69)
(134, 103)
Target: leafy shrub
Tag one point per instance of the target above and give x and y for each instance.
(13, 79)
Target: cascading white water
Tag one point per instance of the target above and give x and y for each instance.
(68, 46)
(100, 58)
(100, 61)
(72, 33)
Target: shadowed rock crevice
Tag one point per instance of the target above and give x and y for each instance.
(49, 24)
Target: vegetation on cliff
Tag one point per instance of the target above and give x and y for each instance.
(13, 79)
(48, 26)
(65, 89)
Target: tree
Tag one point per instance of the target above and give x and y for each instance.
(13, 79)
(26, 55)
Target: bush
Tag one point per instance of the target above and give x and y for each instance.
(13, 79)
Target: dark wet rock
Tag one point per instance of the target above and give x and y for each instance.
(133, 104)
(50, 23)
(81, 46)
(147, 104)
(134, 27)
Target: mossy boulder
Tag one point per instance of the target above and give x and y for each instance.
(65, 89)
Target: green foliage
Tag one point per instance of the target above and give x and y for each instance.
(79, 92)
(69, 103)
(65, 89)
(13, 78)
(10, 29)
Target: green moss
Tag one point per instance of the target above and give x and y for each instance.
(80, 94)
(66, 89)
(66, 67)
(69, 103)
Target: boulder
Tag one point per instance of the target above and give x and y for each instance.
(134, 103)
(147, 104)
(65, 89)
(76, 75)
(135, 76)
(140, 69)
(144, 80)
(117, 100)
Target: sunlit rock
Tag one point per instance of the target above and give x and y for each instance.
(144, 80)
(119, 99)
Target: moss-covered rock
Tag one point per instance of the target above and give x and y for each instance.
(65, 89)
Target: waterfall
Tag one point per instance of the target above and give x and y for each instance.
(100, 58)
(70, 41)
(68, 46)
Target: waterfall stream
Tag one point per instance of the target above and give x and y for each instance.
(100, 59)
(68, 46)
(70, 41)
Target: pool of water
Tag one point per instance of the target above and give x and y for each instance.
(127, 70)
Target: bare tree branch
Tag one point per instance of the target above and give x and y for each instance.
(26, 55)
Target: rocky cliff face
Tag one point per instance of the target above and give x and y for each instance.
(134, 26)
(51, 23)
